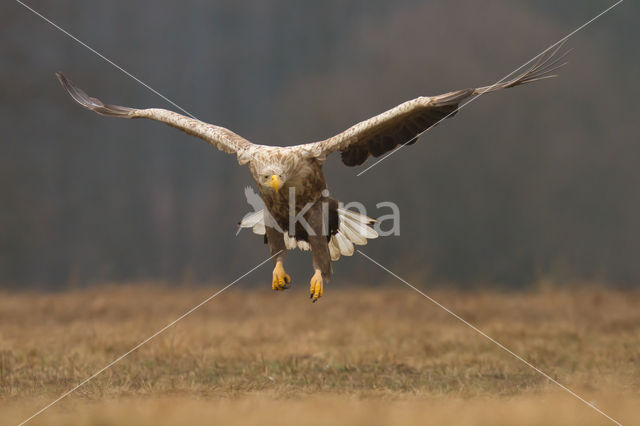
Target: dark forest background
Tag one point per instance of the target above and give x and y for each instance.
(535, 183)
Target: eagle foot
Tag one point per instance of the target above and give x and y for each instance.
(316, 286)
(281, 280)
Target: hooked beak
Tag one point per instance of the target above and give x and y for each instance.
(275, 182)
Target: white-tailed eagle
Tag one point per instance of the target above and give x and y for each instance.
(290, 179)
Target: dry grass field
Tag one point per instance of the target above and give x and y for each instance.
(359, 356)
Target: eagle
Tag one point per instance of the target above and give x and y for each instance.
(298, 211)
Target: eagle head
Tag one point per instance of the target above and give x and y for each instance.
(271, 177)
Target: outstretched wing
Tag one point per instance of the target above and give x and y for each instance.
(405, 123)
(223, 139)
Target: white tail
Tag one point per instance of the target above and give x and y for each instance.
(354, 229)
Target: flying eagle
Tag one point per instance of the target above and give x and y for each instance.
(299, 212)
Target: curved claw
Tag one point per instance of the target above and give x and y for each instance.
(281, 280)
(316, 286)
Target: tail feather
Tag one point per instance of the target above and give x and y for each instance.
(304, 246)
(356, 216)
(345, 244)
(289, 242)
(334, 250)
(352, 234)
(358, 227)
(354, 229)
(250, 219)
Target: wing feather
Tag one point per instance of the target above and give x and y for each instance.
(405, 123)
(223, 139)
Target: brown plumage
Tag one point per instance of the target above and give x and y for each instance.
(292, 176)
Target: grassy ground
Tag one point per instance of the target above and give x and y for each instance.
(382, 356)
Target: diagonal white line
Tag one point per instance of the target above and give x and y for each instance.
(146, 340)
(482, 333)
(106, 59)
(562, 40)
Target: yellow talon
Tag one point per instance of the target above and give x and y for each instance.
(316, 286)
(281, 279)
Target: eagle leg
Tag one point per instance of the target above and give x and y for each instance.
(320, 251)
(281, 280)
(316, 285)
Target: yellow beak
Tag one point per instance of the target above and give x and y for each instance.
(275, 182)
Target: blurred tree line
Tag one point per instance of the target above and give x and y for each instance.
(539, 182)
